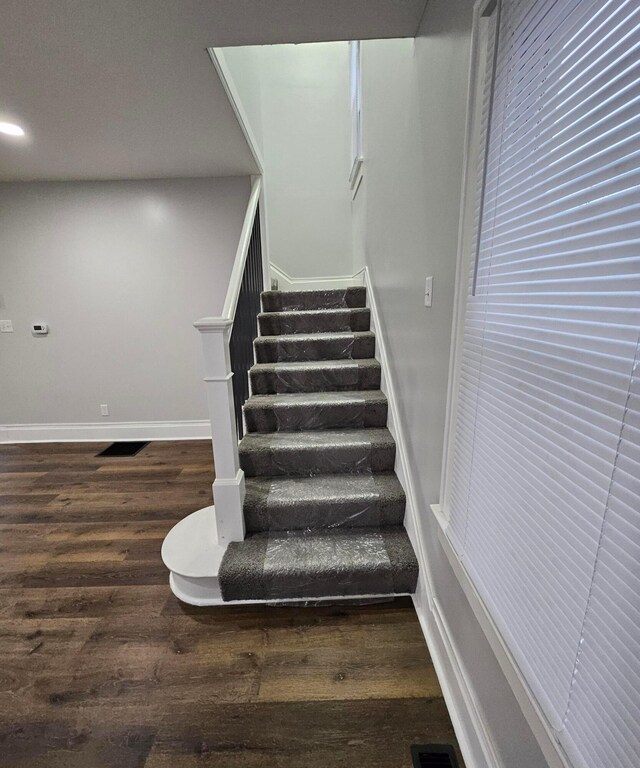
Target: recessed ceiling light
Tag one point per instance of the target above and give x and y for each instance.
(11, 129)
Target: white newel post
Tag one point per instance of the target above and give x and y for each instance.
(228, 486)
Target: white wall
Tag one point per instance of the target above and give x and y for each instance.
(405, 227)
(296, 98)
(119, 270)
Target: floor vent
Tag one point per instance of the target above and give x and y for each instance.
(433, 756)
(125, 448)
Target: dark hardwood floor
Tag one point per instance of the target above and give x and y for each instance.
(102, 666)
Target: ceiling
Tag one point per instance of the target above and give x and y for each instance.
(125, 89)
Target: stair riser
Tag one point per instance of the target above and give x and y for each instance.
(314, 516)
(294, 301)
(324, 322)
(299, 418)
(280, 566)
(312, 460)
(274, 350)
(366, 582)
(336, 380)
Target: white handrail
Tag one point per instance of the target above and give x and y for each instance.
(237, 271)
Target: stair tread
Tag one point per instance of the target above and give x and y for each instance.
(315, 346)
(326, 438)
(314, 312)
(294, 365)
(306, 452)
(325, 320)
(289, 399)
(301, 337)
(323, 502)
(300, 376)
(323, 563)
(354, 296)
(325, 488)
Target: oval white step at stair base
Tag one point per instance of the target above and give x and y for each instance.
(192, 553)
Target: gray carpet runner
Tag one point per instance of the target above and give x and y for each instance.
(323, 508)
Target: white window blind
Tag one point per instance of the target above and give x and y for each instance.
(544, 490)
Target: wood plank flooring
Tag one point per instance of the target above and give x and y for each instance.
(102, 666)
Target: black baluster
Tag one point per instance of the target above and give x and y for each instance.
(245, 324)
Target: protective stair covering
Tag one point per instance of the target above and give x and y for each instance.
(323, 508)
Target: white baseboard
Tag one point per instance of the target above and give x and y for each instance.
(288, 283)
(474, 737)
(99, 432)
(473, 734)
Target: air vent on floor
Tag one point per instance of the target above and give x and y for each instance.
(128, 448)
(433, 756)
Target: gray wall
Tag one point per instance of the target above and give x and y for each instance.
(119, 270)
(296, 98)
(405, 227)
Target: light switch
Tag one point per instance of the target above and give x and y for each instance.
(428, 291)
(6, 326)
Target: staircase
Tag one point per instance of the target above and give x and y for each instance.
(323, 507)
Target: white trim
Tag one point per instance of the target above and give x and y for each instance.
(473, 734)
(101, 432)
(205, 592)
(264, 235)
(465, 236)
(394, 425)
(540, 726)
(219, 61)
(222, 68)
(288, 283)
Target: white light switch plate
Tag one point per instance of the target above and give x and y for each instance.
(428, 291)
(6, 326)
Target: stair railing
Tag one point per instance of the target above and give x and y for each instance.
(227, 343)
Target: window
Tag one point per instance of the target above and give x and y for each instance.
(542, 486)
(356, 110)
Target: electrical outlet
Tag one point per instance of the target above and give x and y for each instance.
(6, 326)
(104, 410)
